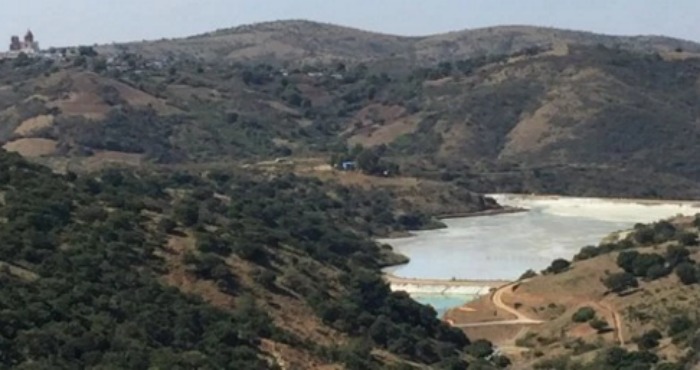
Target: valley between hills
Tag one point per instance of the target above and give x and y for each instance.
(213, 202)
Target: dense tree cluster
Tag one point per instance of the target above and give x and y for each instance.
(78, 291)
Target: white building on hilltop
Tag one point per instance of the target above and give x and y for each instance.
(29, 46)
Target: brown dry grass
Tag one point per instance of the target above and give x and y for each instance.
(384, 134)
(32, 148)
(83, 98)
(34, 124)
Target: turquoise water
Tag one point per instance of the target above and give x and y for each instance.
(443, 302)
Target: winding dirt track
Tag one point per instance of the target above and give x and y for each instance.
(497, 300)
(617, 323)
(521, 319)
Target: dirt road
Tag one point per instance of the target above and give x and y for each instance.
(497, 300)
(617, 322)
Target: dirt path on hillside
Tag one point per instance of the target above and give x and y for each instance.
(497, 300)
(617, 323)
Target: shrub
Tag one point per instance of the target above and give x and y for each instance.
(649, 340)
(501, 361)
(167, 225)
(687, 273)
(528, 274)
(618, 283)
(187, 214)
(639, 264)
(675, 254)
(586, 253)
(583, 314)
(656, 271)
(599, 324)
(209, 243)
(265, 278)
(679, 324)
(480, 348)
(626, 260)
(644, 235)
(664, 231)
(687, 238)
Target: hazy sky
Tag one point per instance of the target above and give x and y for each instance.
(71, 22)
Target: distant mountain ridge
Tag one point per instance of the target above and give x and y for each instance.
(567, 117)
(298, 41)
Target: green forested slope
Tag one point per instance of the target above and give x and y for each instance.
(84, 260)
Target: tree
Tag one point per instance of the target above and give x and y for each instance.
(480, 348)
(649, 340)
(528, 274)
(679, 324)
(687, 238)
(382, 331)
(87, 51)
(675, 254)
(639, 263)
(656, 272)
(663, 231)
(558, 265)
(644, 235)
(368, 161)
(687, 273)
(626, 260)
(22, 60)
(619, 282)
(583, 314)
(586, 253)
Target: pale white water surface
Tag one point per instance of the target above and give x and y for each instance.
(504, 246)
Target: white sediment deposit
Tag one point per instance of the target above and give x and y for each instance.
(604, 209)
(440, 289)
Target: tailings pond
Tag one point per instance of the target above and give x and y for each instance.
(506, 245)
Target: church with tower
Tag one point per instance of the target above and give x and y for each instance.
(28, 46)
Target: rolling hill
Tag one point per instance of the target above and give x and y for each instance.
(304, 42)
(584, 114)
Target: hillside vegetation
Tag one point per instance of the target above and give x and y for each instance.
(590, 115)
(182, 270)
(303, 42)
